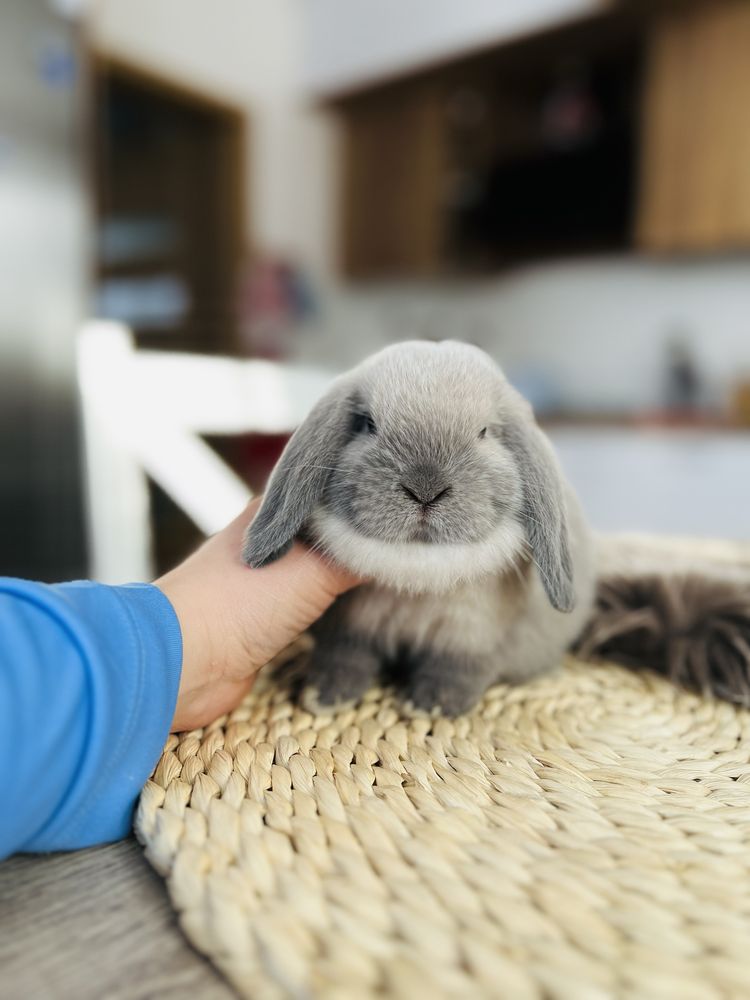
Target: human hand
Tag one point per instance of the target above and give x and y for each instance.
(235, 619)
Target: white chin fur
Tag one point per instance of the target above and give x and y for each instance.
(419, 567)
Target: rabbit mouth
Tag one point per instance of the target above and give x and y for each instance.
(424, 532)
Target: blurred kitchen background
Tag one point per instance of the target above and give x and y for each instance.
(565, 183)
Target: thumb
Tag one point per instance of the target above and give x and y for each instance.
(300, 570)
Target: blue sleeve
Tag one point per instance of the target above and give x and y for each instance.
(88, 684)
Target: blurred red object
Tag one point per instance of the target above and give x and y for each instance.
(256, 456)
(274, 298)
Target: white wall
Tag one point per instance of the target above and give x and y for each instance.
(351, 42)
(665, 482)
(596, 329)
(247, 52)
(235, 48)
(601, 328)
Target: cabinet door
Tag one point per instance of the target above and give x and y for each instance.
(695, 171)
(392, 190)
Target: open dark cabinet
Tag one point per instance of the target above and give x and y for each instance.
(169, 167)
(525, 150)
(557, 171)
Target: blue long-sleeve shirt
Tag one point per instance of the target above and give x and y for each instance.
(88, 684)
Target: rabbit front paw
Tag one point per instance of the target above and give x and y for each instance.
(338, 676)
(444, 684)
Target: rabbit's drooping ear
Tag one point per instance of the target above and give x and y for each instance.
(543, 512)
(298, 481)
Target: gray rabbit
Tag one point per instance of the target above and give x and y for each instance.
(425, 472)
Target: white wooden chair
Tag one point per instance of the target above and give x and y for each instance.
(143, 414)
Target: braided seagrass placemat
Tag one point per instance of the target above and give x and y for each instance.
(585, 836)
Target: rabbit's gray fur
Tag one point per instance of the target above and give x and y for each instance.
(424, 471)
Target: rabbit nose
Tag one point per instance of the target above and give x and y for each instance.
(422, 496)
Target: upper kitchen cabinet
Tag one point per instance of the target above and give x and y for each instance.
(495, 157)
(393, 180)
(695, 193)
(594, 128)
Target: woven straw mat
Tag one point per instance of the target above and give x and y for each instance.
(584, 836)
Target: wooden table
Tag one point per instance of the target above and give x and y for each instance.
(95, 925)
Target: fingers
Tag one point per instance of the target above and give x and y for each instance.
(303, 573)
(315, 569)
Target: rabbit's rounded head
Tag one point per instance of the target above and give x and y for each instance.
(422, 468)
(419, 469)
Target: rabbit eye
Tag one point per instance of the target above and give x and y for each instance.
(363, 423)
(483, 432)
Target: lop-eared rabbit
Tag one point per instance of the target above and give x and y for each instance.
(424, 471)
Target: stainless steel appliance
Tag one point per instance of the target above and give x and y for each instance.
(44, 254)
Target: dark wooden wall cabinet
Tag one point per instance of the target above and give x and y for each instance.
(695, 165)
(622, 131)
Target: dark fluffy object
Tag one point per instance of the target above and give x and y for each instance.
(691, 628)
